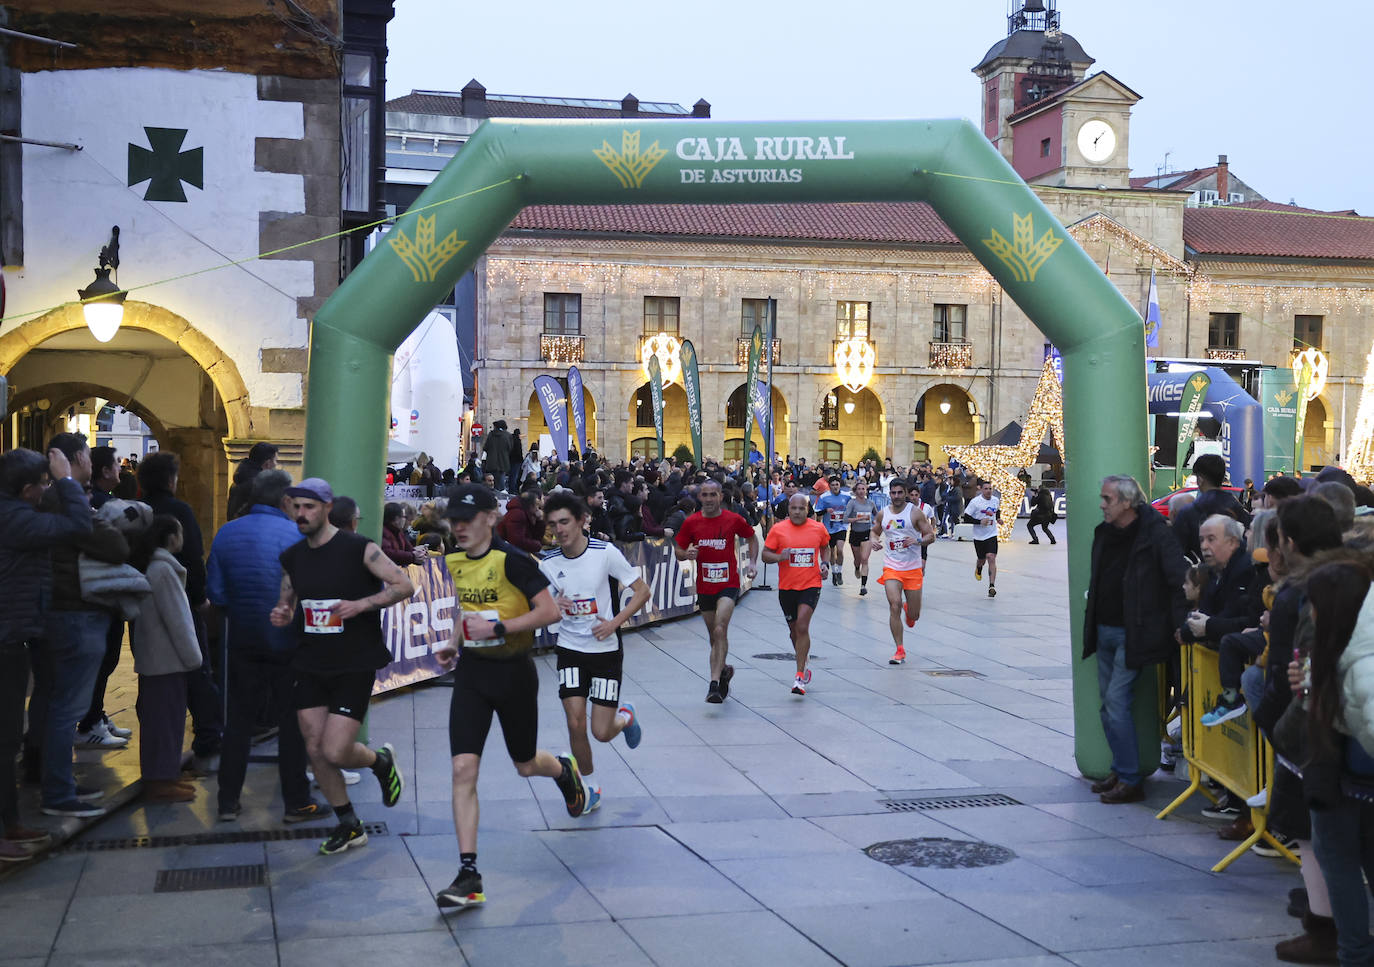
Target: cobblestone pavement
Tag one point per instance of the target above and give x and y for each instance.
(735, 834)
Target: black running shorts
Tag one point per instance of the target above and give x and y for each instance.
(791, 601)
(984, 548)
(508, 687)
(590, 675)
(837, 538)
(343, 693)
(857, 537)
(707, 602)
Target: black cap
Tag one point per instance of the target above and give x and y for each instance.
(469, 500)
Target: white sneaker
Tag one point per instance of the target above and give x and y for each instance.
(350, 777)
(1259, 800)
(100, 737)
(117, 730)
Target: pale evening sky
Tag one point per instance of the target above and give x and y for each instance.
(1275, 86)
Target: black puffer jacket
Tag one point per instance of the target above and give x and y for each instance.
(101, 541)
(1152, 591)
(26, 535)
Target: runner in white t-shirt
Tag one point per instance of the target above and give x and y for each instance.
(902, 532)
(587, 578)
(984, 510)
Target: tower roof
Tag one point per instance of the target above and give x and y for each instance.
(1027, 45)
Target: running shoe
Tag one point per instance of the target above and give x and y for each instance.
(906, 616)
(230, 813)
(978, 571)
(570, 784)
(799, 686)
(1225, 711)
(713, 694)
(344, 836)
(100, 737)
(839, 577)
(898, 657)
(632, 732)
(992, 592)
(863, 591)
(464, 891)
(593, 800)
(726, 673)
(73, 807)
(1228, 807)
(806, 677)
(302, 814)
(350, 777)
(388, 775)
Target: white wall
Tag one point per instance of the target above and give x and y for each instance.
(71, 198)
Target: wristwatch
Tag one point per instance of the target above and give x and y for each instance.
(499, 629)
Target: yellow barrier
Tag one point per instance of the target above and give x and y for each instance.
(1233, 753)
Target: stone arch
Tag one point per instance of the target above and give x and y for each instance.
(223, 373)
(535, 425)
(63, 395)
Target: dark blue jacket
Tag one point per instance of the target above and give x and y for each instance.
(244, 578)
(26, 534)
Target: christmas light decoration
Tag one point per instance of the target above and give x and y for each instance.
(951, 355)
(665, 346)
(1360, 460)
(854, 361)
(561, 350)
(1315, 362)
(996, 464)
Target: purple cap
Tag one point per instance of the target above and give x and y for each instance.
(313, 488)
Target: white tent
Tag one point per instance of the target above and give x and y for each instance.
(398, 452)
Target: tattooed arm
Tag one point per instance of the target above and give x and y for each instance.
(384, 569)
(286, 603)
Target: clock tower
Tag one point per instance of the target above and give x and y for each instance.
(1055, 125)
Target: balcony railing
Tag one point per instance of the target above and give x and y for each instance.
(742, 352)
(562, 350)
(951, 355)
(1228, 354)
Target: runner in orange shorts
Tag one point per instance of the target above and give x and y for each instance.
(901, 531)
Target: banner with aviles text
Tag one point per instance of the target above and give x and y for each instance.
(656, 398)
(577, 404)
(755, 349)
(551, 399)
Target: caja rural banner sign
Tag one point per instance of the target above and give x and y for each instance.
(413, 629)
(691, 382)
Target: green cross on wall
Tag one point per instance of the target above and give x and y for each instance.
(166, 166)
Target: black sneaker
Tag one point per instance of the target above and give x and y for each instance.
(464, 891)
(303, 814)
(388, 775)
(726, 673)
(713, 694)
(344, 836)
(230, 813)
(73, 807)
(1266, 848)
(992, 591)
(570, 785)
(88, 794)
(1228, 807)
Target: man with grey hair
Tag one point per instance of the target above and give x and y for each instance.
(1135, 600)
(1342, 501)
(1230, 602)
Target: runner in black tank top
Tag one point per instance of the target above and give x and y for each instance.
(342, 582)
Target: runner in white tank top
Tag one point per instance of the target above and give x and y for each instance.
(902, 531)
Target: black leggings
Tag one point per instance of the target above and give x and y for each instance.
(508, 687)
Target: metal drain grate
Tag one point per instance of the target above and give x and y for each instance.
(939, 853)
(214, 839)
(948, 802)
(210, 878)
(951, 673)
(785, 656)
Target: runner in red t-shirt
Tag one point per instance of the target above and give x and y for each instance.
(708, 537)
(799, 547)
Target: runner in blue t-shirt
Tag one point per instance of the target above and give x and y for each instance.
(830, 509)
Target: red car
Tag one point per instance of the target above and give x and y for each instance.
(1162, 503)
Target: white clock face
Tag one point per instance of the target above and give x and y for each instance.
(1096, 140)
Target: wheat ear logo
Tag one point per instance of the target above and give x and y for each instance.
(628, 164)
(1199, 384)
(1023, 257)
(423, 256)
(1283, 397)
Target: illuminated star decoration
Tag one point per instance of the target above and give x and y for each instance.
(998, 463)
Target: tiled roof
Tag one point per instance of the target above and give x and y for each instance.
(427, 102)
(909, 223)
(1284, 231)
(1173, 180)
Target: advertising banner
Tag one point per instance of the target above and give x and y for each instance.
(1279, 396)
(692, 384)
(755, 350)
(656, 396)
(551, 399)
(413, 629)
(1190, 404)
(1304, 386)
(758, 405)
(1061, 503)
(577, 404)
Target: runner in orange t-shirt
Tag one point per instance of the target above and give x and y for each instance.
(799, 546)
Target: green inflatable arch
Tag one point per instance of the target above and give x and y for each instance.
(509, 164)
